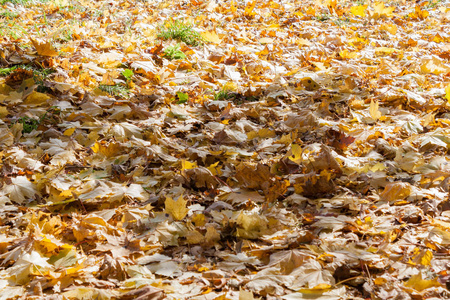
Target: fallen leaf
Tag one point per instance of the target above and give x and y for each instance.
(176, 208)
(419, 284)
(44, 48)
(373, 110)
(20, 190)
(211, 36)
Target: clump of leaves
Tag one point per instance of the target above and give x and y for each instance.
(15, 74)
(174, 52)
(178, 30)
(115, 90)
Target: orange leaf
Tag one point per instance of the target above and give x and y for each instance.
(45, 48)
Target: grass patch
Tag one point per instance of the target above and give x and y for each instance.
(178, 30)
(11, 28)
(63, 35)
(341, 21)
(323, 17)
(22, 2)
(223, 94)
(115, 90)
(8, 15)
(6, 71)
(433, 4)
(30, 124)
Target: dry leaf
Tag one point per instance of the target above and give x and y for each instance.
(44, 48)
(177, 209)
(20, 189)
(211, 36)
(419, 284)
(373, 110)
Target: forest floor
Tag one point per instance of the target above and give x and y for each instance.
(224, 150)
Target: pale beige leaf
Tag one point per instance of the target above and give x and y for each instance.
(20, 189)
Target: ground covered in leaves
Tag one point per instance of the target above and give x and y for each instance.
(224, 150)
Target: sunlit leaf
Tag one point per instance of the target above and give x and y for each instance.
(44, 48)
(176, 208)
(359, 10)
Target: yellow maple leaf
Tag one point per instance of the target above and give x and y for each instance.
(211, 36)
(381, 11)
(199, 220)
(69, 131)
(309, 84)
(396, 191)
(380, 51)
(380, 281)
(391, 28)
(177, 209)
(108, 78)
(215, 169)
(265, 40)
(373, 110)
(447, 93)
(435, 66)
(296, 153)
(3, 112)
(186, 165)
(419, 14)
(419, 284)
(45, 48)
(359, 10)
(348, 54)
(36, 99)
(249, 13)
(425, 260)
(66, 194)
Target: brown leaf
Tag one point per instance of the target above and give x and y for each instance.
(144, 293)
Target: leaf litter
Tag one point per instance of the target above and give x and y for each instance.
(224, 150)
